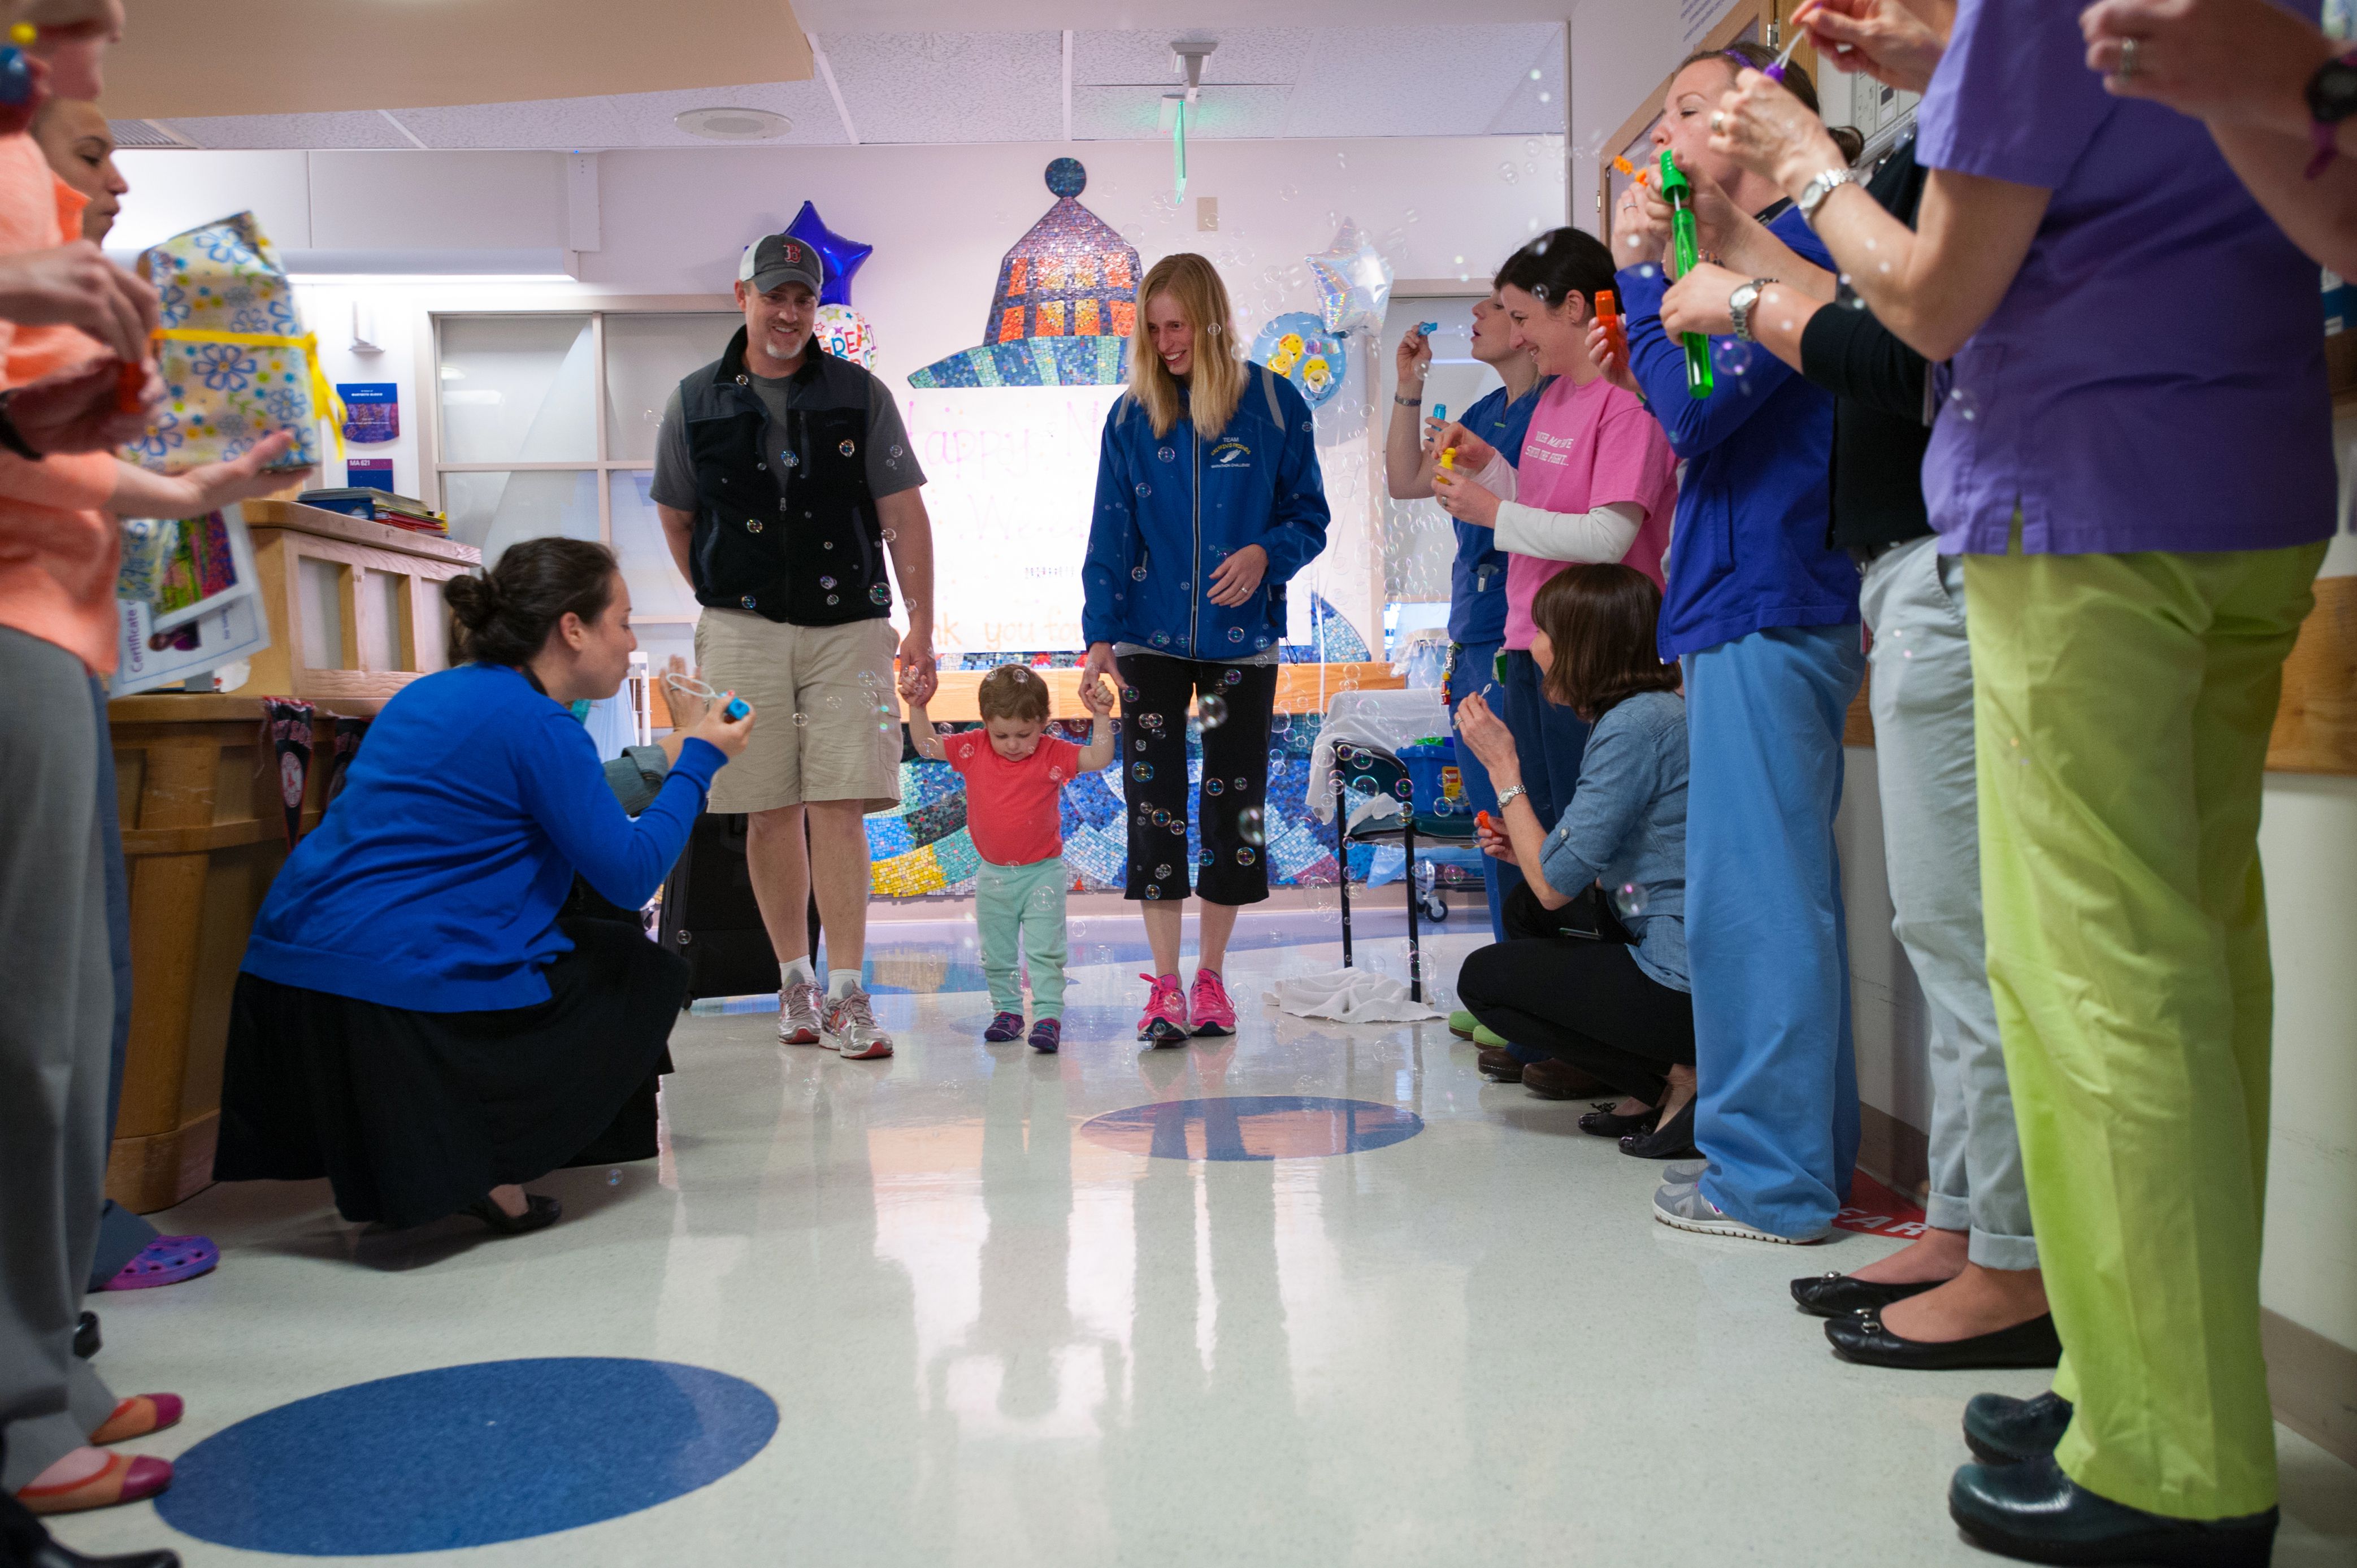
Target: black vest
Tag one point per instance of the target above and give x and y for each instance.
(789, 536)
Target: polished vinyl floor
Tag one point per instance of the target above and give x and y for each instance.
(931, 1312)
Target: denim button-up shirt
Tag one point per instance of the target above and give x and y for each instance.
(1626, 826)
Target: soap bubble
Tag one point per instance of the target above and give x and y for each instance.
(1129, 694)
(1629, 899)
(1546, 97)
(1242, 786)
(1141, 771)
(1964, 403)
(1730, 355)
(1213, 787)
(1252, 825)
(1534, 73)
(826, 582)
(1159, 817)
(1144, 489)
(1647, 270)
(1167, 454)
(1508, 173)
(1212, 712)
(801, 719)
(1152, 893)
(614, 1176)
(1245, 856)
(1363, 784)
(1162, 869)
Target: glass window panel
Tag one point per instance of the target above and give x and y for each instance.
(492, 511)
(518, 389)
(321, 583)
(646, 358)
(656, 587)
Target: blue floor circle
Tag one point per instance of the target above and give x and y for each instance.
(465, 1456)
(1254, 1127)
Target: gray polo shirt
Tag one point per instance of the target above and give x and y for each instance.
(891, 463)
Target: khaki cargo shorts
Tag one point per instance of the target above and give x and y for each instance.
(818, 690)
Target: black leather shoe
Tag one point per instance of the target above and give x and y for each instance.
(1673, 1140)
(540, 1212)
(1606, 1122)
(1552, 1077)
(87, 1342)
(1839, 1296)
(2001, 1430)
(1500, 1065)
(52, 1555)
(2035, 1512)
(1862, 1338)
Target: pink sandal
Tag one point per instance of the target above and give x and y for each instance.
(166, 1260)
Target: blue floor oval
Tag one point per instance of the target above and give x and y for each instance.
(1254, 1127)
(467, 1455)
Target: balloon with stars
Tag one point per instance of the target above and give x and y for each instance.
(1354, 281)
(842, 256)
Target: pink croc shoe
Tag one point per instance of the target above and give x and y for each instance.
(1165, 1022)
(166, 1260)
(1214, 1013)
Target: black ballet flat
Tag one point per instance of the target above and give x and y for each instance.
(1605, 1122)
(1862, 1338)
(1839, 1296)
(1673, 1140)
(540, 1212)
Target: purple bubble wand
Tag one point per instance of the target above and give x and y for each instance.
(1775, 73)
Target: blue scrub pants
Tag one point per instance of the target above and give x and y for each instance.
(1778, 1116)
(1471, 669)
(1549, 739)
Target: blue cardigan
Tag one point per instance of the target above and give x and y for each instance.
(433, 883)
(1752, 547)
(1627, 824)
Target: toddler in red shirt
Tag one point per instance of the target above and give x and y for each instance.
(1014, 774)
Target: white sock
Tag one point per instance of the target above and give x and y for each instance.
(841, 983)
(796, 969)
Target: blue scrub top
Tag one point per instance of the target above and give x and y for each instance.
(1477, 579)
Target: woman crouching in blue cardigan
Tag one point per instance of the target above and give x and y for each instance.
(413, 1022)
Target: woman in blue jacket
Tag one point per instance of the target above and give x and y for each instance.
(1208, 500)
(414, 1020)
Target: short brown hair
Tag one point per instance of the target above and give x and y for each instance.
(1012, 691)
(1600, 619)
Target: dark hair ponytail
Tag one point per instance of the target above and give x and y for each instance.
(505, 615)
(1558, 264)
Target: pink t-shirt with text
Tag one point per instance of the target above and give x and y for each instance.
(1011, 807)
(1590, 446)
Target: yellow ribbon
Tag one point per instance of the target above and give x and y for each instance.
(323, 395)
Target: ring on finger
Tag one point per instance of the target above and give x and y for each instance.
(2128, 48)
(1719, 119)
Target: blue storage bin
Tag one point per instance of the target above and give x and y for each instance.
(1442, 807)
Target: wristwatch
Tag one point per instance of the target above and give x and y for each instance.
(1813, 194)
(1739, 303)
(2331, 98)
(1506, 796)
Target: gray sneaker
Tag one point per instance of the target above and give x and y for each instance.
(798, 1023)
(851, 1028)
(1686, 1208)
(1686, 1172)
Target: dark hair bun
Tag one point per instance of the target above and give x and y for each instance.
(505, 617)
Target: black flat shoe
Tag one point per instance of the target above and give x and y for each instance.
(540, 1212)
(86, 1340)
(56, 1554)
(1674, 1140)
(1862, 1338)
(2035, 1512)
(2005, 1431)
(1606, 1122)
(1838, 1295)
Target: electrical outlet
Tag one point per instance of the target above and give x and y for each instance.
(1207, 214)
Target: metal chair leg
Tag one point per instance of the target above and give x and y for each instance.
(1342, 862)
(1414, 949)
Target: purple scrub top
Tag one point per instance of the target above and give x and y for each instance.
(2154, 378)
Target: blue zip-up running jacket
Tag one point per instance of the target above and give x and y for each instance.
(1171, 508)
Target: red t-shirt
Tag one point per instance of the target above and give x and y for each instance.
(1010, 807)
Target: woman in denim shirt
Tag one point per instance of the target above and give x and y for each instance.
(1586, 993)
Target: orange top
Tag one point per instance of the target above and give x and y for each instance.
(59, 549)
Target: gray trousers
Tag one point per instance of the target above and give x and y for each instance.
(1921, 697)
(57, 1017)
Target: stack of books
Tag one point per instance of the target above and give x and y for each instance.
(380, 506)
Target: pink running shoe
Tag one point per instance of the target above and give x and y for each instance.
(1165, 1022)
(1214, 1013)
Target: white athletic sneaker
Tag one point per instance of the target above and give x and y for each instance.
(798, 1021)
(851, 1028)
(1686, 1208)
(1686, 1172)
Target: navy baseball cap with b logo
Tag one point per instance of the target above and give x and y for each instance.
(775, 260)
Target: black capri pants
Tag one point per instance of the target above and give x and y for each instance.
(1156, 690)
(1580, 1000)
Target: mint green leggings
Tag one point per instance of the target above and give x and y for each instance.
(1023, 903)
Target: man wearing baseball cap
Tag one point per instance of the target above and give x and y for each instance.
(783, 477)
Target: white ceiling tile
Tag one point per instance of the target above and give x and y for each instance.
(1221, 113)
(552, 122)
(950, 87)
(1411, 82)
(363, 128)
(1253, 55)
(1539, 101)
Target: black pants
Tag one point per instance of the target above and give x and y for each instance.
(1583, 1001)
(1154, 692)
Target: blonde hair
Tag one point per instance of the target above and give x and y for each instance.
(1012, 691)
(1217, 383)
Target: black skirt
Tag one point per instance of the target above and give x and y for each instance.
(414, 1115)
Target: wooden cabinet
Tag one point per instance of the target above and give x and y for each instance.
(355, 607)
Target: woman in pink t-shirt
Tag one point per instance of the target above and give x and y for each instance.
(1595, 481)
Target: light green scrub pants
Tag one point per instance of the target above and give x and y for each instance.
(1023, 905)
(2122, 705)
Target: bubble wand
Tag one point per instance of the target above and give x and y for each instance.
(1776, 72)
(1680, 195)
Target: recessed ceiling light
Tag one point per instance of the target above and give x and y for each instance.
(733, 124)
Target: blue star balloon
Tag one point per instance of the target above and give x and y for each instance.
(842, 256)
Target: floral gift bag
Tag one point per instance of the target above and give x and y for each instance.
(237, 362)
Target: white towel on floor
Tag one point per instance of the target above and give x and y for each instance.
(1349, 996)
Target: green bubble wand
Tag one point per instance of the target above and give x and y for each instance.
(1679, 194)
